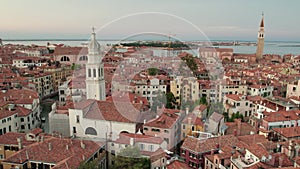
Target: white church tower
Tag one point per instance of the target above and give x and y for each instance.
(95, 83)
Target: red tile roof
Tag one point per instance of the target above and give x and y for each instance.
(283, 116)
(124, 138)
(57, 152)
(176, 164)
(11, 139)
(110, 111)
(166, 120)
(289, 132)
(200, 146)
(195, 120)
(23, 111)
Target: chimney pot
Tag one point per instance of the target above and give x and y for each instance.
(82, 145)
(50, 146)
(19, 140)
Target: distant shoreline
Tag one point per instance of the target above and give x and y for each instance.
(51, 40)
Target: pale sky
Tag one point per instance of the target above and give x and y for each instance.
(217, 19)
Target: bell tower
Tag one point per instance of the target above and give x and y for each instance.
(260, 39)
(95, 83)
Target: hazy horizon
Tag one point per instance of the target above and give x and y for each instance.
(227, 20)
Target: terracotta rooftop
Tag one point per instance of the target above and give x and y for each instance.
(176, 164)
(289, 132)
(57, 151)
(195, 120)
(124, 138)
(166, 120)
(110, 111)
(283, 116)
(200, 146)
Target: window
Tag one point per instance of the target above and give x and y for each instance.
(22, 119)
(28, 118)
(151, 148)
(22, 127)
(112, 144)
(94, 72)
(77, 118)
(193, 128)
(9, 119)
(62, 92)
(237, 104)
(9, 128)
(146, 129)
(142, 146)
(166, 131)
(167, 140)
(28, 126)
(74, 130)
(183, 126)
(4, 121)
(294, 89)
(89, 73)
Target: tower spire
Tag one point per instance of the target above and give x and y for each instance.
(262, 20)
(95, 83)
(260, 39)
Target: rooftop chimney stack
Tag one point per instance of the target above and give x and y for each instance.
(131, 141)
(187, 110)
(20, 146)
(82, 145)
(49, 146)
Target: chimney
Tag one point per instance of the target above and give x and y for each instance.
(239, 126)
(187, 110)
(67, 147)
(145, 121)
(291, 149)
(212, 151)
(234, 132)
(19, 140)
(280, 162)
(49, 146)
(82, 145)
(189, 120)
(131, 141)
(42, 138)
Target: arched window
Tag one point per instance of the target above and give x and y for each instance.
(90, 131)
(65, 59)
(83, 58)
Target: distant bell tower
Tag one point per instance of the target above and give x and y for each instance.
(260, 39)
(95, 83)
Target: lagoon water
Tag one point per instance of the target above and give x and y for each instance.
(280, 48)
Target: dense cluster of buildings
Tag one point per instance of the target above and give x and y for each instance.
(230, 110)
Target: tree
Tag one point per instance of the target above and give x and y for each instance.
(130, 158)
(236, 115)
(153, 71)
(171, 101)
(89, 165)
(203, 100)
